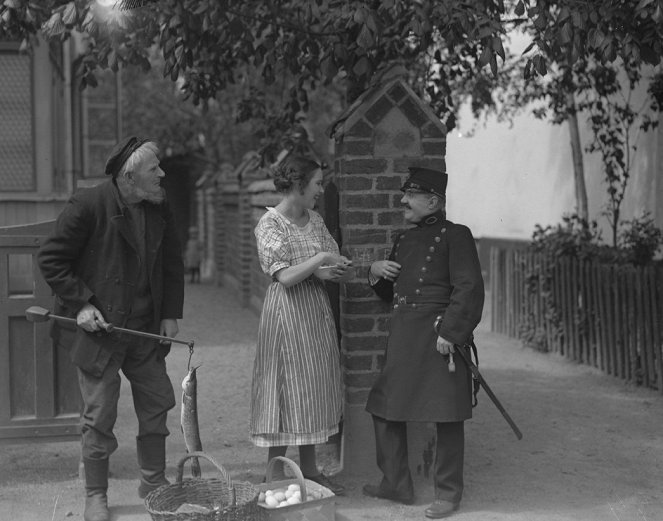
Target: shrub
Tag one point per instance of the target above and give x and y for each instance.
(640, 240)
(574, 237)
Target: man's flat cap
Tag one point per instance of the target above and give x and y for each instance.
(121, 152)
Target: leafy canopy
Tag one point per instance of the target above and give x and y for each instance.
(209, 44)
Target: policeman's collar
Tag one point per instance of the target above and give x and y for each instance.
(432, 219)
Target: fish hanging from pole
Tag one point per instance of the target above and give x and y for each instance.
(189, 418)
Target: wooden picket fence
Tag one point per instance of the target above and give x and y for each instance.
(606, 316)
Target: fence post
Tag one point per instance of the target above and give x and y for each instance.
(657, 305)
(648, 321)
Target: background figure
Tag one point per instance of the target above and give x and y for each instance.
(296, 391)
(432, 276)
(114, 258)
(193, 255)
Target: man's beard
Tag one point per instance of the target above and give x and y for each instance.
(155, 197)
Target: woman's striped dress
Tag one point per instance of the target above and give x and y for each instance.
(296, 394)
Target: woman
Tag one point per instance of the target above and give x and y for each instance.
(297, 395)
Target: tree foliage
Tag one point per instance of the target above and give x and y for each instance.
(585, 58)
(606, 29)
(209, 45)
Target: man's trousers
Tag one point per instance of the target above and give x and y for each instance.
(392, 459)
(143, 364)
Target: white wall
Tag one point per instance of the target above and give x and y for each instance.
(503, 180)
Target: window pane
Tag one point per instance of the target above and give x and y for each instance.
(21, 281)
(16, 156)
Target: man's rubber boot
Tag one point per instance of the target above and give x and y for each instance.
(151, 450)
(96, 487)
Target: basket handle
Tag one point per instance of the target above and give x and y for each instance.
(295, 469)
(198, 454)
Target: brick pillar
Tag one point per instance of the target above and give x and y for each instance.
(376, 143)
(365, 203)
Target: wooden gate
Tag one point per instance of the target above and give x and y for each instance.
(39, 396)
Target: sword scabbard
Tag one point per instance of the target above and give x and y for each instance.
(476, 374)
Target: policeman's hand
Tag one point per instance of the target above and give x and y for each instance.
(444, 347)
(386, 269)
(90, 319)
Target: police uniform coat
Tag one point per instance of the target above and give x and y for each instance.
(93, 256)
(440, 276)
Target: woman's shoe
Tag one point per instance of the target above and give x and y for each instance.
(323, 480)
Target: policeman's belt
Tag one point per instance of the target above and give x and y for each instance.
(415, 300)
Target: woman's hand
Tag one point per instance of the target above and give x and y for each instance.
(323, 265)
(331, 259)
(386, 269)
(341, 270)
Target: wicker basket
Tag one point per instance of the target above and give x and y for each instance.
(323, 509)
(225, 499)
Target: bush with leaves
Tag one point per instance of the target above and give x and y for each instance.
(575, 238)
(640, 240)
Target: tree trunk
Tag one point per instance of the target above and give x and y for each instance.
(582, 207)
(614, 225)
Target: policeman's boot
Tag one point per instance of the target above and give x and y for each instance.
(151, 450)
(96, 487)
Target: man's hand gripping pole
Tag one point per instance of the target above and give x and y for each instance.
(39, 314)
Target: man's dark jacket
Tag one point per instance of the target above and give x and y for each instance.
(93, 256)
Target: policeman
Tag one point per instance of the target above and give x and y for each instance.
(432, 276)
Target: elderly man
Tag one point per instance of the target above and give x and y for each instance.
(434, 281)
(114, 258)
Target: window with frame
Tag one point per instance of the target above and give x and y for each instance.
(17, 165)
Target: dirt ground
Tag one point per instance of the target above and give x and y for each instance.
(592, 447)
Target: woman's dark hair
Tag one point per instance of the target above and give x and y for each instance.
(294, 171)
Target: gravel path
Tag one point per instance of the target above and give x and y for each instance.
(592, 447)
